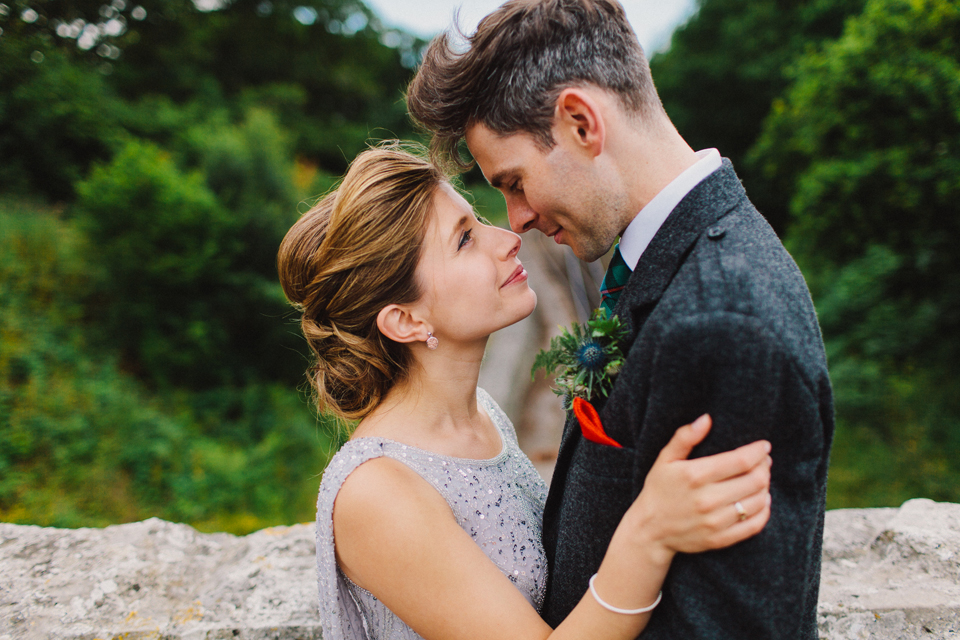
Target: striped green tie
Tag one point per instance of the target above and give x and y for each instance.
(618, 273)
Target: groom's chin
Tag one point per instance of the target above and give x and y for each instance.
(588, 255)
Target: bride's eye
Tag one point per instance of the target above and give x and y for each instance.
(465, 238)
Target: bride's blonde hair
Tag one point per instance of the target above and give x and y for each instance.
(353, 253)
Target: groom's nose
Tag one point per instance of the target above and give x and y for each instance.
(522, 217)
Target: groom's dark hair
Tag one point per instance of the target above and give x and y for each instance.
(517, 63)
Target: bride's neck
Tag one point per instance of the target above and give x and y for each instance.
(438, 395)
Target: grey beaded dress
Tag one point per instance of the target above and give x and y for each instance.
(498, 501)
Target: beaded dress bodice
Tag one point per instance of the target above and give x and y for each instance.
(498, 501)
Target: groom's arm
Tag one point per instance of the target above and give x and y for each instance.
(751, 382)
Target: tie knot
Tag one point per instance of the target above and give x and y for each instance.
(616, 278)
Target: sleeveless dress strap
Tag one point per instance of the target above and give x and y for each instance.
(497, 415)
(339, 613)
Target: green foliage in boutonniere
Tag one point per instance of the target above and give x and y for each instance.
(587, 356)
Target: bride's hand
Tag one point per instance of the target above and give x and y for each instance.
(706, 503)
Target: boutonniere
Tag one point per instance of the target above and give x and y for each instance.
(586, 358)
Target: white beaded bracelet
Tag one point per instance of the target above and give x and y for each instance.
(610, 607)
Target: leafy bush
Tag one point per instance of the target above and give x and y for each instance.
(726, 66)
(56, 118)
(147, 366)
(187, 288)
(165, 247)
(865, 145)
(82, 443)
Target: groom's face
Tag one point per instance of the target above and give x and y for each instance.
(555, 191)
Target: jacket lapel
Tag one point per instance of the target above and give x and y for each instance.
(706, 203)
(709, 201)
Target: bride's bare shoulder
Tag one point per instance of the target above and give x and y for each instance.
(385, 512)
(384, 490)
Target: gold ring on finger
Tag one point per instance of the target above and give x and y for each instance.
(741, 512)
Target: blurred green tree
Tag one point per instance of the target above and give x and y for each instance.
(866, 146)
(727, 64)
(56, 119)
(331, 71)
(77, 75)
(84, 444)
(162, 240)
(145, 348)
(187, 288)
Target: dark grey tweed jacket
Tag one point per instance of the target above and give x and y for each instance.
(720, 321)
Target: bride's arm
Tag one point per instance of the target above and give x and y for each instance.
(397, 538)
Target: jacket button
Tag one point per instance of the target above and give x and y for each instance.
(715, 233)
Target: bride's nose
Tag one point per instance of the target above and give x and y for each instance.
(511, 243)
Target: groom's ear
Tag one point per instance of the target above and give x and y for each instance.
(580, 120)
(401, 324)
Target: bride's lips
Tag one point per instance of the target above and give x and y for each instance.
(520, 275)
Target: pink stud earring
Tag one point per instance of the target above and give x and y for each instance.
(432, 342)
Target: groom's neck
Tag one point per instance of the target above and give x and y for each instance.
(650, 158)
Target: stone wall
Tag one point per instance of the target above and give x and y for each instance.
(887, 574)
(891, 574)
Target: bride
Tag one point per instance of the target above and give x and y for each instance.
(429, 517)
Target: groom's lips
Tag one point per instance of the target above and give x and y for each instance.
(519, 275)
(557, 236)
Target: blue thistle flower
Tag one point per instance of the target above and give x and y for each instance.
(591, 356)
(588, 356)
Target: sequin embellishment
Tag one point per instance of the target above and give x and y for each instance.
(499, 502)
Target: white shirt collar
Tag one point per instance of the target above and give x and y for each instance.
(638, 234)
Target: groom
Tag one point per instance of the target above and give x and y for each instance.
(555, 102)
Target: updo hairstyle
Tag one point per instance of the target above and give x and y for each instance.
(352, 254)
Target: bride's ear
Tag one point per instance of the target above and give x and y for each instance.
(400, 325)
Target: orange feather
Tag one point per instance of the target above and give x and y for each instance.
(590, 423)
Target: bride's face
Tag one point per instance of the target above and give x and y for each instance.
(472, 281)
